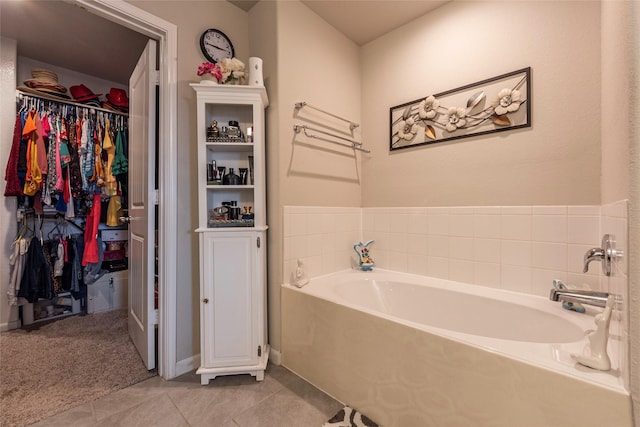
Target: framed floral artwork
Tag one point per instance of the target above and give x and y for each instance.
(497, 104)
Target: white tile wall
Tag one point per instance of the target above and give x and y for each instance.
(613, 221)
(322, 237)
(518, 248)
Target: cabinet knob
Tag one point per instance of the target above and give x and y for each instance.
(205, 300)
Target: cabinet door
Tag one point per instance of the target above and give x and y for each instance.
(229, 318)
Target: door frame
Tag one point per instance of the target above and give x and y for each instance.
(166, 34)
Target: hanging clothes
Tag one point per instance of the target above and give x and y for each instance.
(36, 280)
(19, 249)
(91, 233)
(33, 178)
(40, 147)
(75, 175)
(72, 276)
(13, 187)
(111, 187)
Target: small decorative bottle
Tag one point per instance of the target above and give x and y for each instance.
(231, 178)
(243, 175)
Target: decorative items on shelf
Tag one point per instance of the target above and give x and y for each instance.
(255, 71)
(226, 71)
(231, 178)
(229, 215)
(230, 133)
(216, 174)
(212, 173)
(243, 175)
(251, 181)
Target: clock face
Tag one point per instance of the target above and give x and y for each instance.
(216, 45)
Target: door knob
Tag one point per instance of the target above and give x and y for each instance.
(125, 219)
(205, 300)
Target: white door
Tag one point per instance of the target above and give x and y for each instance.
(142, 116)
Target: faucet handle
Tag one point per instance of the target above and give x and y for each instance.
(594, 254)
(606, 253)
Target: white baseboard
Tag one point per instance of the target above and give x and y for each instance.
(275, 357)
(191, 363)
(4, 327)
(187, 365)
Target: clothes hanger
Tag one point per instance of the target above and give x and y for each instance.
(55, 228)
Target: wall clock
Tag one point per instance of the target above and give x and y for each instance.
(215, 45)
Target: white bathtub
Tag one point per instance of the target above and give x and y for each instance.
(417, 351)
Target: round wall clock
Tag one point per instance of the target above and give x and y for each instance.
(216, 45)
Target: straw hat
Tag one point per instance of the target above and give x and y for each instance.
(45, 80)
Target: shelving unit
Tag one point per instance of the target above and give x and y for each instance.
(232, 231)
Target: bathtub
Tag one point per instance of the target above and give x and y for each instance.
(411, 350)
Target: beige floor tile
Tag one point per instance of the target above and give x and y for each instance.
(124, 399)
(288, 409)
(158, 412)
(282, 399)
(80, 416)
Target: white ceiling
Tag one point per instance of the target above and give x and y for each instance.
(65, 35)
(364, 20)
(62, 34)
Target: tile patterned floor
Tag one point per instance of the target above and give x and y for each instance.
(282, 399)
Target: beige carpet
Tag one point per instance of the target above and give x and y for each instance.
(64, 364)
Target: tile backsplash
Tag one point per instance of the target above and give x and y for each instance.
(517, 248)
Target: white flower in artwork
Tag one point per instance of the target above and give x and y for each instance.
(407, 129)
(428, 107)
(455, 118)
(508, 101)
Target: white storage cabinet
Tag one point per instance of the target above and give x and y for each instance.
(233, 335)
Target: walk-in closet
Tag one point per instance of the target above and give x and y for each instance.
(66, 196)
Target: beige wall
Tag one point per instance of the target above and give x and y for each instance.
(617, 36)
(556, 161)
(191, 18)
(627, 14)
(263, 43)
(8, 72)
(316, 64)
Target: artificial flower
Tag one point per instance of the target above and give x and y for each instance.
(408, 129)
(456, 118)
(427, 108)
(232, 69)
(210, 68)
(508, 101)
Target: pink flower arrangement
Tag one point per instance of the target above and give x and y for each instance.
(210, 68)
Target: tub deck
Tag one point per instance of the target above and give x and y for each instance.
(404, 374)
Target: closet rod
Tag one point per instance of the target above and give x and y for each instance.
(20, 95)
(354, 144)
(352, 125)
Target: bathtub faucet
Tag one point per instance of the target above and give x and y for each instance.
(595, 298)
(606, 254)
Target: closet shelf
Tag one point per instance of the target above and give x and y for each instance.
(20, 95)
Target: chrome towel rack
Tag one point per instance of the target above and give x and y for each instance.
(352, 144)
(352, 125)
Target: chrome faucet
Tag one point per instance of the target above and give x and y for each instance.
(595, 298)
(605, 254)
